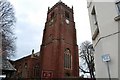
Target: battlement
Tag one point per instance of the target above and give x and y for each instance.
(60, 3)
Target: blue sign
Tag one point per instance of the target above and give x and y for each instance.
(106, 57)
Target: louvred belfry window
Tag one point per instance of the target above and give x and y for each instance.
(67, 15)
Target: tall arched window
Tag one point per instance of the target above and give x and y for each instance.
(67, 59)
(36, 71)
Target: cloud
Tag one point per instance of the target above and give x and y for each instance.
(28, 38)
(31, 17)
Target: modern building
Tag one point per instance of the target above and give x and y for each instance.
(58, 56)
(105, 28)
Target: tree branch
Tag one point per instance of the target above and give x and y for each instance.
(83, 70)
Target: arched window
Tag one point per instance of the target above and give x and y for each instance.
(36, 71)
(67, 59)
(52, 15)
(25, 66)
(67, 15)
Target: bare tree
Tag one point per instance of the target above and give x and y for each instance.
(7, 21)
(87, 57)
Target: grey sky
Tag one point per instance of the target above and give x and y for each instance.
(31, 16)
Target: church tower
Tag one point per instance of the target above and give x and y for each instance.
(59, 50)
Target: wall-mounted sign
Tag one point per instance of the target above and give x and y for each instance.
(47, 74)
(106, 57)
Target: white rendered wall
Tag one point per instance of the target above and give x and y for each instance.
(104, 44)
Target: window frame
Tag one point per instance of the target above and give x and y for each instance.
(118, 6)
(52, 15)
(67, 59)
(67, 15)
(95, 24)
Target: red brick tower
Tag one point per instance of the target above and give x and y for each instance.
(59, 50)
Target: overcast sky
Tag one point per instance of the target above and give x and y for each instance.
(31, 17)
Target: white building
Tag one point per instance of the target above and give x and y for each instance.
(105, 29)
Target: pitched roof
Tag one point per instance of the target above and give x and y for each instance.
(25, 57)
(6, 65)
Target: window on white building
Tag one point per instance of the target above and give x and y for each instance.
(95, 24)
(118, 10)
(94, 16)
(118, 6)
